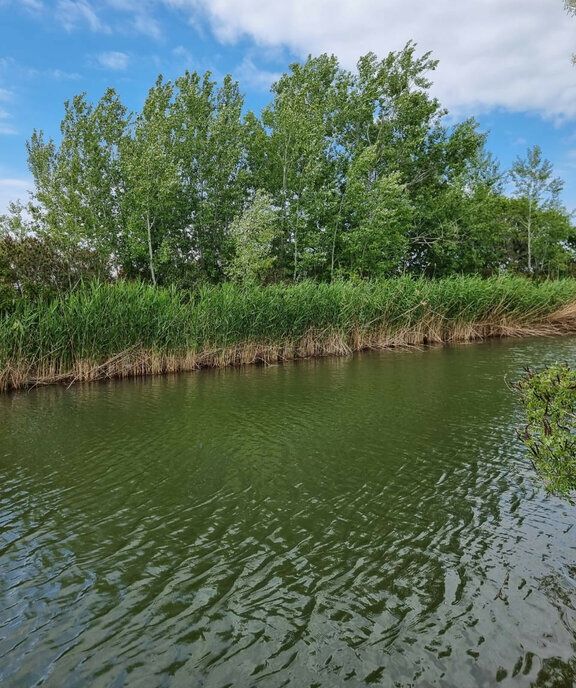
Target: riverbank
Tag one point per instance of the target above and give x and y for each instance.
(130, 329)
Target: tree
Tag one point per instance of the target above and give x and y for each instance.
(42, 266)
(296, 143)
(151, 199)
(253, 234)
(389, 107)
(379, 214)
(210, 146)
(78, 184)
(155, 191)
(467, 230)
(553, 238)
(538, 189)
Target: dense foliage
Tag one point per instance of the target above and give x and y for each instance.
(343, 175)
(549, 399)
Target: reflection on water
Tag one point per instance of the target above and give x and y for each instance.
(359, 521)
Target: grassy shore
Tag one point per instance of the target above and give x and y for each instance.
(128, 329)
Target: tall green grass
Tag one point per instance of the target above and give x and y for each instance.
(40, 341)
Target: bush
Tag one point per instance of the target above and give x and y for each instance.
(549, 399)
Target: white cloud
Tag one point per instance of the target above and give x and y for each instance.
(184, 54)
(61, 75)
(147, 25)
(5, 95)
(5, 128)
(249, 74)
(33, 5)
(513, 54)
(16, 71)
(113, 60)
(12, 190)
(127, 5)
(74, 13)
(185, 59)
(142, 20)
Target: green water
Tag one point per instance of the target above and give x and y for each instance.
(369, 520)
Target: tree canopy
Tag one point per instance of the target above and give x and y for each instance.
(343, 174)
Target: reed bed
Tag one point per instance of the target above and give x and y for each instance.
(128, 329)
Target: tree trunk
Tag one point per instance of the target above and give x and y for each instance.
(336, 225)
(150, 254)
(529, 227)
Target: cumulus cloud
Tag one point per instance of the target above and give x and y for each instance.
(113, 60)
(513, 54)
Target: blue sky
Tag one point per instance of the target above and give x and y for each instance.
(506, 62)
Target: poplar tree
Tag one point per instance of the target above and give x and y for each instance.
(151, 200)
(537, 188)
(211, 150)
(79, 184)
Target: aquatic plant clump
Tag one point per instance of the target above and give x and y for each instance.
(125, 329)
(549, 399)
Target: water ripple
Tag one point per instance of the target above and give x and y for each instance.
(358, 521)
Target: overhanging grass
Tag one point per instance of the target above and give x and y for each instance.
(132, 328)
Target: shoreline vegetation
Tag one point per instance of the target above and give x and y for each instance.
(549, 400)
(129, 329)
(350, 213)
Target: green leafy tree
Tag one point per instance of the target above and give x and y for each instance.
(389, 107)
(210, 146)
(364, 174)
(295, 147)
(379, 214)
(254, 234)
(151, 200)
(469, 226)
(36, 264)
(553, 238)
(33, 267)
(78, 184)
(537, 189)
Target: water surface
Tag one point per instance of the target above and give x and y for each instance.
(369, 520)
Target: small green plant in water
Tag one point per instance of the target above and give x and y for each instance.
(549, 399)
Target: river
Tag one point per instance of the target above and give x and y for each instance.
(368, 520)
